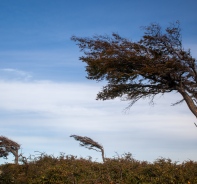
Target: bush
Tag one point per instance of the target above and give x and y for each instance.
(68, 169)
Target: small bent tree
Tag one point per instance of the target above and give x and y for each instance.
(156, 64)
(90, 144)
(8, 146)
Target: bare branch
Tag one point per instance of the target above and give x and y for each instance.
(179, 102)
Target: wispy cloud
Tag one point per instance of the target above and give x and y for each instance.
(14, 74)
(53, 57)
(42, 114)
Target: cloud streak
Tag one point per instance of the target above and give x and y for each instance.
(41, 115)
(14, 74)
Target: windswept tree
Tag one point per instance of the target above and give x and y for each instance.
(156, 64)
(8, 146)
(90, 144)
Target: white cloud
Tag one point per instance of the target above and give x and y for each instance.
(14, 74)
(45, 58)
(41, 115)
(47, 97)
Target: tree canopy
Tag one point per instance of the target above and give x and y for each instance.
(90, 144)
(156, 64)
(9, 146)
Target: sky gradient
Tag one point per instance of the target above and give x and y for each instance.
(45, 96)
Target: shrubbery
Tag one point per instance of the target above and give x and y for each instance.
(68, 169)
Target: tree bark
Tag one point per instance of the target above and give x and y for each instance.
(189, 101)
(15, 153)
(103, 156)
(16, 157)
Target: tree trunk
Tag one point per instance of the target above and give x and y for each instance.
(189, 101)
(15, 153)
(16, 157)
(103, 157)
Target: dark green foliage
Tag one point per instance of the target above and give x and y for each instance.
(68, 169)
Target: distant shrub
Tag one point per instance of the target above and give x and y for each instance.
(68, 169)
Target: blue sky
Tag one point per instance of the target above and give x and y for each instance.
(45, 96)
